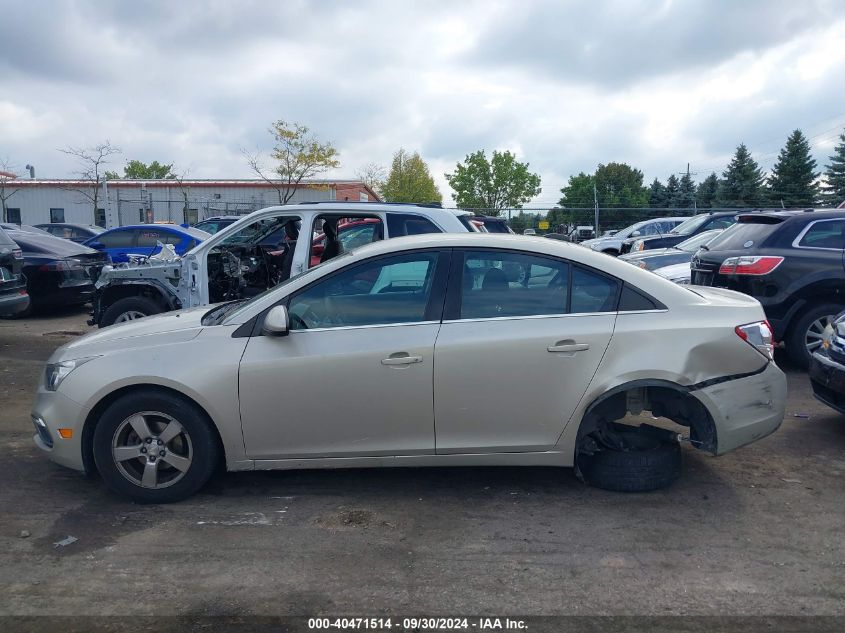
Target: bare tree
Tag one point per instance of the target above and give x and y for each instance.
(374, 176)
(6, 176)
(185, 190)
(92, 161)
(300, 156)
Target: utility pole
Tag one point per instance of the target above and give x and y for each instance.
(596, 201)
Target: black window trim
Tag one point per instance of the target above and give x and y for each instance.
(452, 310)
(433, 309)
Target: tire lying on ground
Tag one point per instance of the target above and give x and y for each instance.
(129, 309)
(649, 464)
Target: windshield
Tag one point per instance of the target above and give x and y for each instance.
(241, 307)
(626, 232)
(743, 235)
(688, 227)
(697, 241)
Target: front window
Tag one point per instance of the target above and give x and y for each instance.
(387, 290)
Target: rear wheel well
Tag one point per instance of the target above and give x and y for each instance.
(663, 399)
(97, 411)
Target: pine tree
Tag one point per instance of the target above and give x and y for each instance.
(686, 193)
(743, 184)
(673, 188)
(835, 174)
(793, 181)
(656, 194)
(708, 190)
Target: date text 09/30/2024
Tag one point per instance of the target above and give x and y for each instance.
(417, 624)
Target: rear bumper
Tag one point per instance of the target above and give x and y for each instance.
(747, 409)
(827, 378)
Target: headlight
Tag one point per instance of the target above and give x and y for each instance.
(55, 373)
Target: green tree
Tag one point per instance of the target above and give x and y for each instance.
(657, 194)
(793, 180)
(835, 173)
(578, 192)
(673, 191)
(743, 184)
(299, 156)
(137, 170)
(620, 185)
(494, 185)
(707, 192)
(686, 193)
(409, 180)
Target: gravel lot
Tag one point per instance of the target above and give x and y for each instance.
(759, 531)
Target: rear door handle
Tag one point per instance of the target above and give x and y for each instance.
(571, 347)
(401, 359)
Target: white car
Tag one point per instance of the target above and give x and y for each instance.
(676, 273)
(435, 350)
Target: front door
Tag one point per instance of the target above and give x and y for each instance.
(517, 353)
(354, 376)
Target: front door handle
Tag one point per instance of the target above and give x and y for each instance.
(401, 358)
(568, 346)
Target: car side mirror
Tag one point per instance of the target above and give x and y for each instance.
(636, 234)
(276, 322)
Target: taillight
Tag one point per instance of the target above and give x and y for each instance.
(61, 265)
(758, 335)
(750, 265)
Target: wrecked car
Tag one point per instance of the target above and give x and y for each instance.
(256, 253)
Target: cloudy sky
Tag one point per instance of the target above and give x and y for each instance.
(564, 85)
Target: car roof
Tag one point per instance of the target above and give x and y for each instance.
(815, 214)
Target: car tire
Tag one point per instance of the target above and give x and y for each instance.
(129, 309)
(149, 460)
(806, 327)
(651, 465)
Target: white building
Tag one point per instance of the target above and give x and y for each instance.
(123, 202)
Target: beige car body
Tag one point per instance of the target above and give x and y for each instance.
(321, 398)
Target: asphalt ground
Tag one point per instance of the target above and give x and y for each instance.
(757, 532)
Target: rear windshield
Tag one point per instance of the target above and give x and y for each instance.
(742, 235)
(5, 240)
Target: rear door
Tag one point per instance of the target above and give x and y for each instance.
(521, 339)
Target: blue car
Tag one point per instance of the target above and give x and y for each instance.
(143, 239)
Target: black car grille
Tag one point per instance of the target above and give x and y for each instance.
(703, 273)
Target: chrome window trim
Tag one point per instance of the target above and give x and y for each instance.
(530, 316)
(795, 242)
(361, 327)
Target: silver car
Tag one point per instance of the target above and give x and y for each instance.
(433, 350)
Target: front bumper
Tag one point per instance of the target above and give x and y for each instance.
(827, 377)
(745, 410)
(53, 410)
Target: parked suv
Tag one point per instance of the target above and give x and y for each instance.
(256, 253)
(612, 245)
(791, 262)
(687, 229)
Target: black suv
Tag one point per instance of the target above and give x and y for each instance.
(685, 230)
(13, 296)
(792, 262)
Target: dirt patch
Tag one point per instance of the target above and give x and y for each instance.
(350, 519)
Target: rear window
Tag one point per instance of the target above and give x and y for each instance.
(824, 234)
(742, 235)
(5, 240)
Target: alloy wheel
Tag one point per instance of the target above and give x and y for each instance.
(152, 449)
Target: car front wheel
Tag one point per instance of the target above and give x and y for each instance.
(129, 309)
(155, 447)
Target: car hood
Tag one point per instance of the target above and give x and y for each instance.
(171, 327)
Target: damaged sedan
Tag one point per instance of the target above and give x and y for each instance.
(420, 351)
